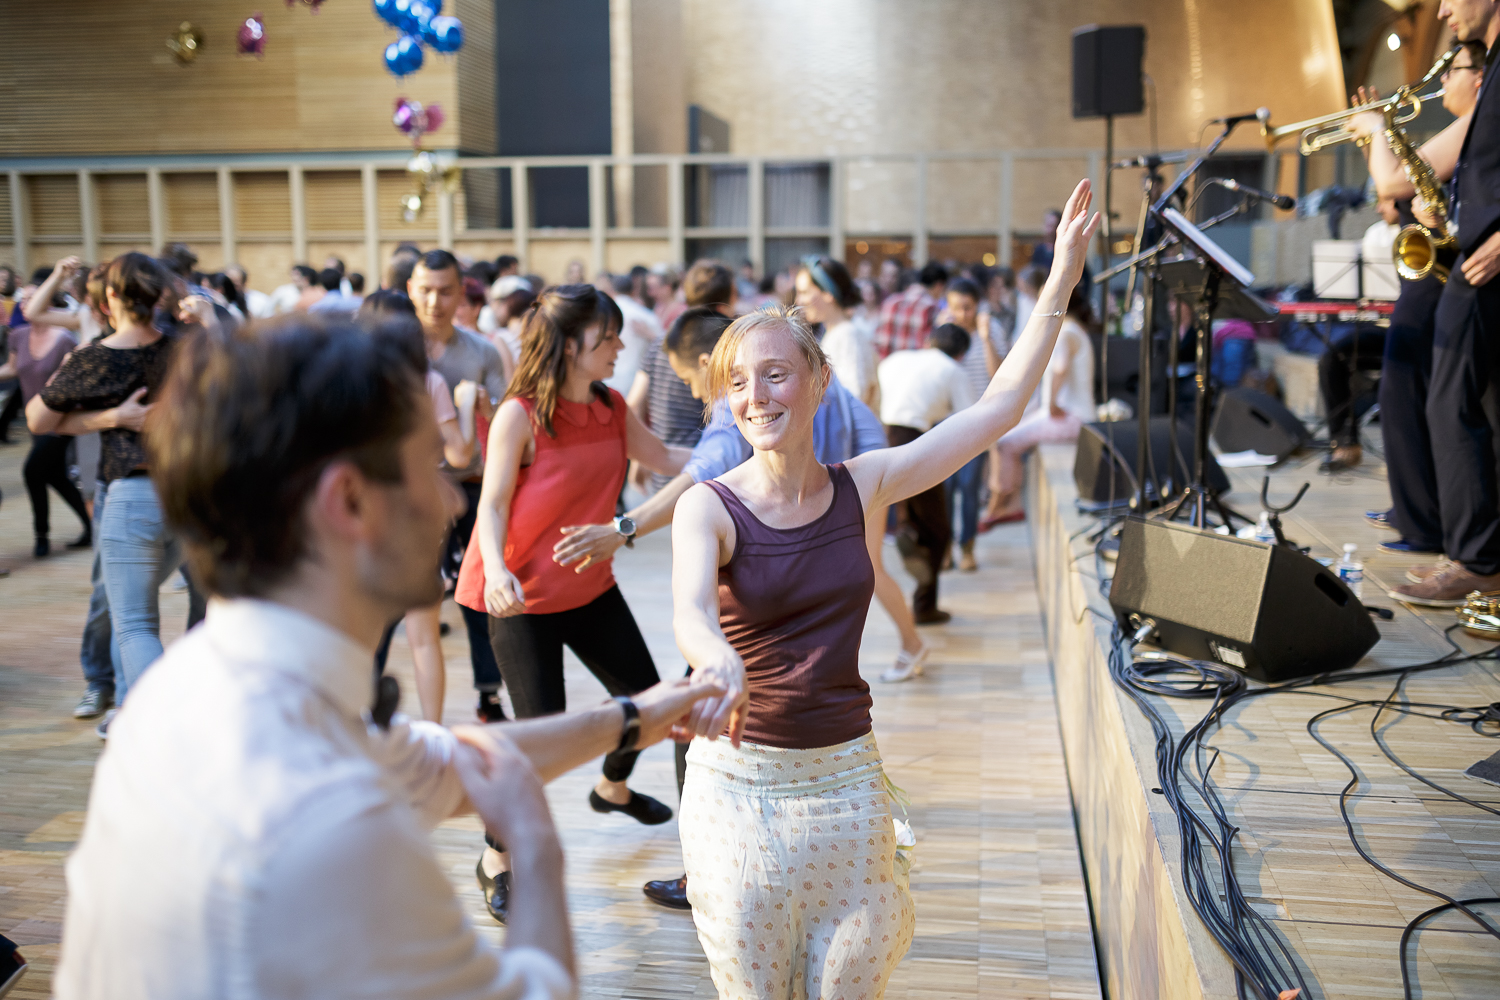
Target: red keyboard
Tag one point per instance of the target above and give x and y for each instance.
(1343, 311)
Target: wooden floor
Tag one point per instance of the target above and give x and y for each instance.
(1001, 908)
(1341, 918)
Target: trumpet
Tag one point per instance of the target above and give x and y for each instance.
(1418, 250)
(1328, 130)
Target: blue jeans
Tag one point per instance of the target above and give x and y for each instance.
(99, 656)
(138, 553)
(963, 486)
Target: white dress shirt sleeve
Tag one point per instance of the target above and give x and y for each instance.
(417, 758)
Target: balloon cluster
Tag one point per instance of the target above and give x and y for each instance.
(428, 177)
(184, 43)
(250, 40)
(420, 22)
(415, 120)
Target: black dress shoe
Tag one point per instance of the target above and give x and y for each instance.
(490, 709)
(83, 541)
(496, 891)
(42, 548)
(641, 808)
(933, 618)
(669, 892)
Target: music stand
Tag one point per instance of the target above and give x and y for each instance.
(1221, 285)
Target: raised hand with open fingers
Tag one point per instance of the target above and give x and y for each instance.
(1073, 235)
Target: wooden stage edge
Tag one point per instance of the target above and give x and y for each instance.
(1338, 916)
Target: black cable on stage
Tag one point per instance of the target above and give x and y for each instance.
(1262, 961)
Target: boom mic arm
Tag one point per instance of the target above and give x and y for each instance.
(1282, 201)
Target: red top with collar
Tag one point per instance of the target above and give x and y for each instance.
(575, 478)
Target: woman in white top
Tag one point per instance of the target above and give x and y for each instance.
(1063, 403)
(826, 294)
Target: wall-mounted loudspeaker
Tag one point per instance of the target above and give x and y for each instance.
(1266, 610)
(1107, 70)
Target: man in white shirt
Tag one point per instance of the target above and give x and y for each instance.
(256, 828)
(918, 389)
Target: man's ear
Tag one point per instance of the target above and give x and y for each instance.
(703, 360)
(339, 506)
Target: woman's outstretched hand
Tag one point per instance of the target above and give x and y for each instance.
(1073, 235)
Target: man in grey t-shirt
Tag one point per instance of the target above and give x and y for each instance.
(436, 287)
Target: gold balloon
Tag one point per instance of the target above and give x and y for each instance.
(184, 43)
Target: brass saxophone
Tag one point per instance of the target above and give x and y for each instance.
(1421, 250)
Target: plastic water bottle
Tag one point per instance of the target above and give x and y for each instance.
(1263, 530)
(1351, 571)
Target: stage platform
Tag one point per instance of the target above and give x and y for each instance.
(1340, 917)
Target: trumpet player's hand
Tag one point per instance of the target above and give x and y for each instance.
(1369, 123)
(1484, 263)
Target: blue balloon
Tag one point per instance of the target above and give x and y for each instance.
(386, 11)
(436, 5)
(403, 17)
(421, 13)
(410, 48)
(445, 34)
(403, 56)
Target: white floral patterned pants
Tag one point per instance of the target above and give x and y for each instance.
(796, 884)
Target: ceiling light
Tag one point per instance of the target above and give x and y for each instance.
(1393, 41)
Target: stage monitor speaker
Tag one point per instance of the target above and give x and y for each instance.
(1091, 465)
(1250, 420)
(1107, 70)
(1266, 610)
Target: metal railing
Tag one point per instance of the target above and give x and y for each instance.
(449, 230)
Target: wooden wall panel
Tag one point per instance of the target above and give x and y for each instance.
(54, 205)
(94, 76)
(123, 206)
(263, 203)
(192, 204)
(477, 125)
(5, 217)
(335, 202)
(351, 252)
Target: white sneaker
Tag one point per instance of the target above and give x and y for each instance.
(102, 729)
(908, 665)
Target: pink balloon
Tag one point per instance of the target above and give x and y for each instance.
(250, 40)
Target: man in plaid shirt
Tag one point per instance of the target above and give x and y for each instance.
(907, 319)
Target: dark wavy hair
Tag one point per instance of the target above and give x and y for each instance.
(249, 422)
(833, 278)
(559, 315)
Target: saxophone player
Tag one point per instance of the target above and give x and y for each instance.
(1463, 383)
(1407, 363)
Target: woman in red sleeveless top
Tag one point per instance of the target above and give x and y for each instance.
(794, 874)
(558, 451)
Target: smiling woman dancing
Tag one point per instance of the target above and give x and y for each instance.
(788, 835)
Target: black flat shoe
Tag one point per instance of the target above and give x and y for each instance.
(42, 548)
(496, 891)
(641, 808)
(83, 541)
(933, 618)
(669, 892)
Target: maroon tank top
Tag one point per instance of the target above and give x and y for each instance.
(792, 603)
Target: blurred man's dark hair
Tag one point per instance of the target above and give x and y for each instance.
(247, 426)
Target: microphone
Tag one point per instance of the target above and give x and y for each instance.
(1261, 115)
(1151, 160)
(1284, 202)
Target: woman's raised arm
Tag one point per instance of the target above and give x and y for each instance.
(892, 474)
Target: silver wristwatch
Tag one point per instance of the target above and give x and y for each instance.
(625, 525)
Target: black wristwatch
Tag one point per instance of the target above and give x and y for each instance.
(630, 732)
(625, 525)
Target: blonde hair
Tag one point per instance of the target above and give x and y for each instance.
(775, 315)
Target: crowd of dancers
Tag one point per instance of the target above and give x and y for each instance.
(783, 428)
